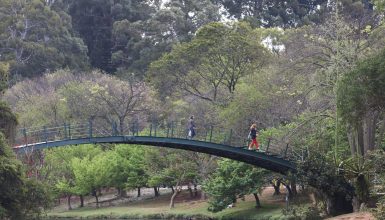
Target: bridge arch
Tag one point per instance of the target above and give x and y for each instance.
(260, 159)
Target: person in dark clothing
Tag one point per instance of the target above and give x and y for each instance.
(253, 136)
(191, 127)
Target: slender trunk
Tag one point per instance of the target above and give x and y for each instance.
(203, 195)
(257, 203)
(190, 190)
(81, 201)
(276, 186)
(293, 186)
(381, 132)
(289, 191)
(369, 130)
(352, 140)
(69, 202)
(121, 126)
(122, 193)
(95, 193)
(156, 191)
(195, 190)
(359, 140)
(176, 192)
(138, 191)
(172, 189)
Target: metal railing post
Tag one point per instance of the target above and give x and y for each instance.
(230, 136)
(69, 131)
(45, 134)
(90, 128)
(65, 131)
(211, 133)
(151, 130)
(155, 125)
(172, 129)
(25, 136)
(168, 129)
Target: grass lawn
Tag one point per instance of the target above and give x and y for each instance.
(184, 208)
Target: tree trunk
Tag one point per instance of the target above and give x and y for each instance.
(122, 193)
(338, 205)
(381, 132)
(352, 140)
(359, 140)
(203, 195)
(293, 186)
(356, 204)
(257, 203)
(95, 193)
(138, 191)
(172, 189)
(276, 186)
(195, 190)
(289, 191)
(176, 192)
(69, 202)
(156, 191)
(369, 130)
(190, 190)
(81, 201)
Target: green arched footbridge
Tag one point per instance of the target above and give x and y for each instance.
(209, 142)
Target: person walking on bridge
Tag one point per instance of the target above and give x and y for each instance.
(191, 127)
(253, 136)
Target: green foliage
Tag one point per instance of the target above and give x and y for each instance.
(232, 180)
(4, 76)
(8, 122)
(211, 65)
(59, 171)
(302, 213)
(38, 39)
(274, 13)
(169, 168)
(20, 198)
(361, 89)
(378, 160)
(177, 21)
(321, 173)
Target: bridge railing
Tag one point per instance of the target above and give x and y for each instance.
(167, 129)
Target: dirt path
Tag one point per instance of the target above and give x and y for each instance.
(354, 216)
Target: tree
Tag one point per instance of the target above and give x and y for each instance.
(94, 21)
(211, 65)
(8, 122)
(289, 14)
(319, 172)
(233, 180)
(138, 43)
(361, 101)
(20, 198)
(58, 171)
(35, 39)
(171, 169)
(70, 97)
(90, 175)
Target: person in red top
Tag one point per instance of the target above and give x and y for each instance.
(253, 136)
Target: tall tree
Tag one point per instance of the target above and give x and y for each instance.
(289, 14)
(212, 64)
(137, 44)
(35, 39)
(233, 180)
(361, 99)
(94, 21)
